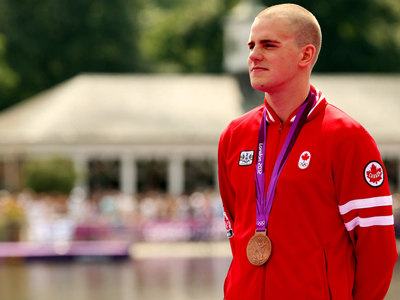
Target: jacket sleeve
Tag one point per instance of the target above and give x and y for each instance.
(227, 195)
(226, 190)
(365, 205)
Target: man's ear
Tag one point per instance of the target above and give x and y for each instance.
(308, 53)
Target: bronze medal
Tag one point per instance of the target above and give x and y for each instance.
(259, 248)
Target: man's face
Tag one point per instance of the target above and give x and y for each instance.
(274, 55)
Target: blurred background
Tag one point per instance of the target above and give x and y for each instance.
(110, 115)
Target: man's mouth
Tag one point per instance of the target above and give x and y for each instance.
(258, 69)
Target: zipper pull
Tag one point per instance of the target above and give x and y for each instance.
(281, 127)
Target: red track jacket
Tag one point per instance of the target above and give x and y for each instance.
(331, 224)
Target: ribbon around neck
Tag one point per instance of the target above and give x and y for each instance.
(264, 203)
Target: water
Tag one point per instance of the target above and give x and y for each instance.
(144, 279)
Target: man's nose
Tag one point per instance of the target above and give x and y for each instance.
(255, 54)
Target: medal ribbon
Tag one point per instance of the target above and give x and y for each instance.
(264, 204)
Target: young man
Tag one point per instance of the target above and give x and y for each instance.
(306, 198)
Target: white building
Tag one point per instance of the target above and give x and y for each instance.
(173, 118)
(121, 117)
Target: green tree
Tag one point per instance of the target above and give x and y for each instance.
(54, 175)
(183, 35)
(50, 41)
(8, 78)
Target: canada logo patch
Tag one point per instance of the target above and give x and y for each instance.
(246, 158)
(228, 227)
(304, 160)
(373, 174)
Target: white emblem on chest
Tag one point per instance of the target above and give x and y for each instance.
(304, 160)
(246, 158)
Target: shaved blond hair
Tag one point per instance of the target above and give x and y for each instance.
(303, 24)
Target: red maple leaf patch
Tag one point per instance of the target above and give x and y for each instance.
(305, 157)
(375, 174)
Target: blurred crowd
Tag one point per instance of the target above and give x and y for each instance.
(110, 215)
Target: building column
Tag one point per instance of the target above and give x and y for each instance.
(128, 175)
(81, 168)
(176, 176)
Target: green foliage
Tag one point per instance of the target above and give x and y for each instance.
(185, 37)
(50, 41)
(12, 217)
(8, 78)
(54, 175)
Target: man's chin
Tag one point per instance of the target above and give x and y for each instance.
(260, 87)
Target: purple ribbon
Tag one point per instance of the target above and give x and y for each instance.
(264, 204)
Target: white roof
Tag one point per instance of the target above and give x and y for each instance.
(125, 109)
(372, 100)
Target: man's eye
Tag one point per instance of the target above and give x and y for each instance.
(270, 45)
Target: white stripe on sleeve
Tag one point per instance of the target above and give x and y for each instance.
(368, 222)
(365, 203)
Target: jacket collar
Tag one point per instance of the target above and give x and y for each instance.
(320, 103)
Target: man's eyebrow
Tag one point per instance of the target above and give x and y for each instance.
(270, 41)
(264, 42)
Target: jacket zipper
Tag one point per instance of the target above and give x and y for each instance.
(280, 130)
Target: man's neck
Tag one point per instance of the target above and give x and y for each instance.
(285, 102)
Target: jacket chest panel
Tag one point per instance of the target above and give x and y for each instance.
(299, 187)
